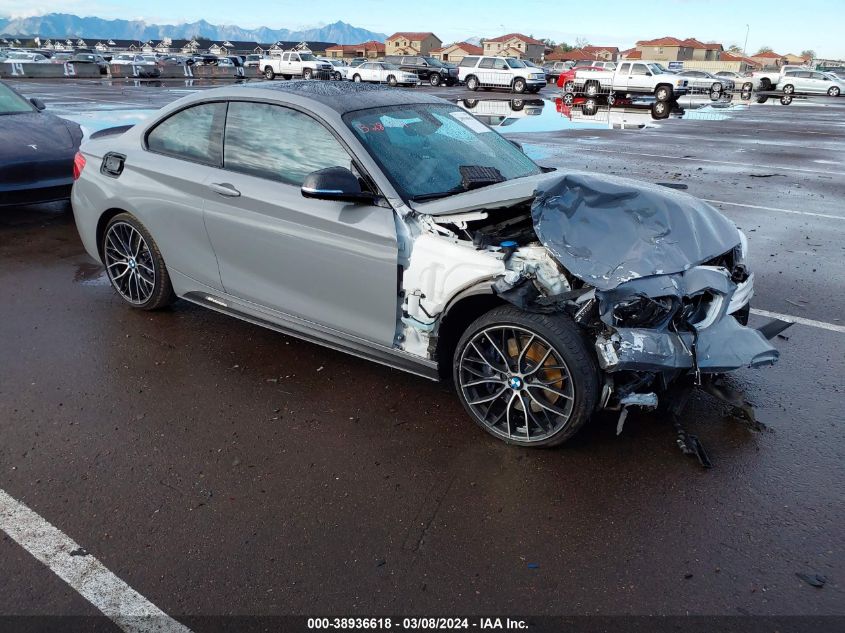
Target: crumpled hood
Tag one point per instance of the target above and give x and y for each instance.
(607, 230)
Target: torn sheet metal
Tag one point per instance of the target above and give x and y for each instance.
(608, 230)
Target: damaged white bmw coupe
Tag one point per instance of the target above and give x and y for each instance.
(395, 226)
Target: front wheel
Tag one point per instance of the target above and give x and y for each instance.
(134, 264)
(716, 87)
(833, 92)
(391, 80)
(307, 73)
(434, 79)
(569, 87)
(269, 73)
(357, 79)
(528, 379)
(663, 93)
(519, 85)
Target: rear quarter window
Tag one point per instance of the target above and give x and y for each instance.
(194, 134)
(469, 62)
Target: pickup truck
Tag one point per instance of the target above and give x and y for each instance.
(769, 80)
(295, 64)
(629, 78)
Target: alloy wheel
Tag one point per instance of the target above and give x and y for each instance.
(129, 263)
(516, 383)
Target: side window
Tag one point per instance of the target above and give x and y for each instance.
(486, 62)
(194, 134)
(469, 62)
(298, 145)
(638, 69)
(501, 64)
(624, 68)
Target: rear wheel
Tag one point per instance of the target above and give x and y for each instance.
(269, 73)
(519, 85)
(134, 264)
(472, 83)
(356, 79)
(528, 379)
(434, 79)
(716, 87)
(391, 80)
(747, 86)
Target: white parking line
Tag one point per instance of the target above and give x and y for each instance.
(64, 557)
(719, 162)
(755, 206)
(795, 319)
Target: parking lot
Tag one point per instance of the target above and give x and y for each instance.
(221, 469)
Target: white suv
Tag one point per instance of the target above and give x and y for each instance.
(500, 72)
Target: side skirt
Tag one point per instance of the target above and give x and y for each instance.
(315, 333)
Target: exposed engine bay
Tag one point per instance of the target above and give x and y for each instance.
(656, 279)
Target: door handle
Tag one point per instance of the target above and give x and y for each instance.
(225, 189)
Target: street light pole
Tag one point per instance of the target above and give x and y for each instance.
(745, 46)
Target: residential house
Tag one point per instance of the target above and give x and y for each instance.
(371, 50)
(456, 52)
(769, 58)
(318, 48)
(797, 60)
(602, 53)
(631, 53)
(515, 45)
(738, 63)
(412, 43)
(672, 49)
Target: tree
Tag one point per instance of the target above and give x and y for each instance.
(765, 49)
(549, 42)
(808, 54)
(581, 42)
(734, 48)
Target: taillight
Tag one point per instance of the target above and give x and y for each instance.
(78, 165)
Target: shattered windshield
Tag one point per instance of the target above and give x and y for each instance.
(11, 102)
(433, 151)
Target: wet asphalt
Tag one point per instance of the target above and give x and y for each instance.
(220, 468)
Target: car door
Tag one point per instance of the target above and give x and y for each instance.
(503, 75)
(165, 180)
(819, 83)
(621, 77)
(325, 262)
(639, 79)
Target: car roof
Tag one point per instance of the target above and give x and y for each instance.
(340, 96)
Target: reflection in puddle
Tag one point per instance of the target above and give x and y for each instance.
(90, 274)
(569, 112)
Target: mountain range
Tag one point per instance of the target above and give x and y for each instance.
(67, 25)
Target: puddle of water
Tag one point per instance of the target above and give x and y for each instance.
(530, 115)
(101, 119)
(90, 274)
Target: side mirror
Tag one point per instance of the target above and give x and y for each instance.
(334, 183)
(649, 74)
(38, 103)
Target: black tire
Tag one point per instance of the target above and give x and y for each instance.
(569, 87)
(786, 99)
(590, 107)
(517, 105)
(747, 86)
(715, 95)
(788, 89)
(307, 73)
(519, 85)
(391, 80)
(765, 84)
(337, 76)
(660, 110)
(611, 99)
(162, 294)
(469, 104)
(833, 91)
(663, 93)
(716, 87)
(269, 74)
(356, 78)
(561, 334)
(434, 79)
(472, 83)
(592, 89)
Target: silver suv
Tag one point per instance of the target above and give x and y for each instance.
(500, 72)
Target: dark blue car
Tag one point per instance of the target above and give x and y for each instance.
(36, 151)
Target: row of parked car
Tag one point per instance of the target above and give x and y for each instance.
(141, 60)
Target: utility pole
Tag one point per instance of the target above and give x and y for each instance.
(745, 46)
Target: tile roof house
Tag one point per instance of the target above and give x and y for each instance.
(769, 58)
(412, 43)
(631, 53)
(456, 52)
(674, 49)
(515, 45)
(575, 55)
(371, 50)
(602, 53)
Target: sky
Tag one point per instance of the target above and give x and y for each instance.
(785, 27)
